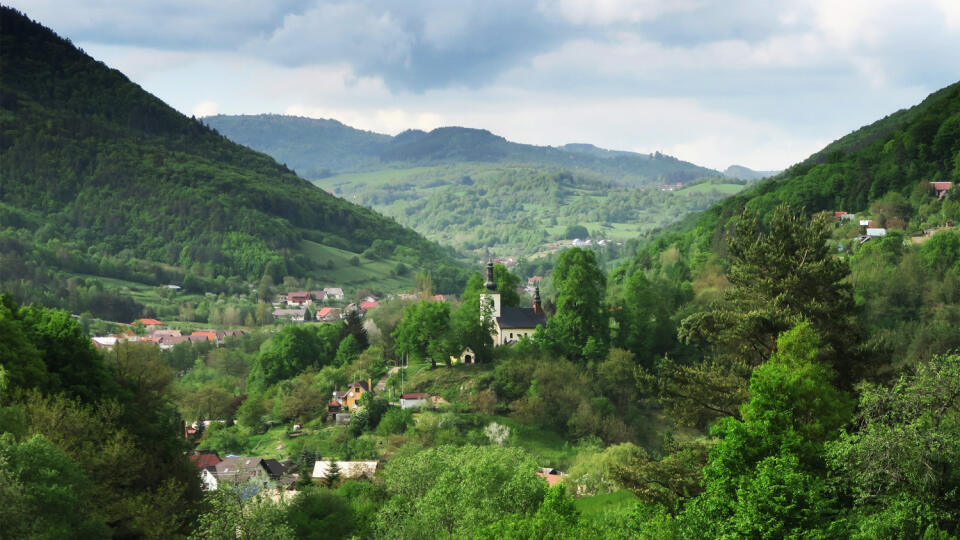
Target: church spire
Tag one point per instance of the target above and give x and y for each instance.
(491, 284)
(537, 307)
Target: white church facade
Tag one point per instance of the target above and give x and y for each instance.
(510, 323)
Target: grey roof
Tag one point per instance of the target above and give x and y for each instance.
(274, 467)
(239, 469)
(515, 317)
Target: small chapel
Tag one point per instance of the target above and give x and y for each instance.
(510, 323)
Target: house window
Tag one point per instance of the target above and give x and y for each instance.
(511, 335)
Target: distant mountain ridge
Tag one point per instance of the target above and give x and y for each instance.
(319, 148)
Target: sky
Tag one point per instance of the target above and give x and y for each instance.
(761, 84)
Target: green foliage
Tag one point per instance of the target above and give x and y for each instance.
(291, 351)
(102, 178)
(318, 513)
(45, 494)
(902, 465)
(424, 332)
(229, 515)
(767, 474)
(453, 490)
(581, 328)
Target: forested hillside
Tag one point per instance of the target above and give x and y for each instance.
(523, 211)
(319, 148)
(99, 177)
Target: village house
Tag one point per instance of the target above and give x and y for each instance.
(318, 296)
(334, 293)
(166, 333)
(148, 324)
(510, 323)
(299, 299)
(414, 401)
(941, 188)
(367, 305)
(295, 315)
(349, 398)
(209, 335)
(552, 476)
(351, 470)
(238, 470)
(328, 314)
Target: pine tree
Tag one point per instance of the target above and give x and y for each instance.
(333, 474)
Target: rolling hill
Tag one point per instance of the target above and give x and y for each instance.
(318, 148)
(98, 177)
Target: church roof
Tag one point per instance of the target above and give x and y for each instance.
(515, 317)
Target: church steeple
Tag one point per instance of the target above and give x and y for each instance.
(491, 284)
(537, 307)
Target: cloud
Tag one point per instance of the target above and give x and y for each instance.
(753, 81)
(206, 108)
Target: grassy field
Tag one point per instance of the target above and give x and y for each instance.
(596, 504)
(373, 274)
(729, 189)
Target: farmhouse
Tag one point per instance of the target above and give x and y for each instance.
(510, 323)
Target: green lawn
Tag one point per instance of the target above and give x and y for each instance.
(373, 274)
(622, 500)
(729, 189)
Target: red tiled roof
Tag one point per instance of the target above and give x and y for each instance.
(552, 479)
(420, 395)
(210, 335)
(148, 322)
(325, 311)
(205, 460)
(535, 278)
(368, 305)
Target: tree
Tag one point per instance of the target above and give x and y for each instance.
(901, 464)
(229, 515)
(318, 513)
(453, 490)
(507, 285)
(332, 478)
(353, 325)
(45, 493)
(767, 474)
(424, 332)
(581, 328)
(348, 351)
(779, 279)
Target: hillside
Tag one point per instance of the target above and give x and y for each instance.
(99, 177)
(895, 158)
(519, 210)
(318, 148)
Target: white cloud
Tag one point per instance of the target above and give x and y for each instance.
(605, 12)
(206, 108)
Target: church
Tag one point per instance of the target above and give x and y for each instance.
(510, 323)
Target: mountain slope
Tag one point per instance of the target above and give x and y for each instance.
(893, 159)
(93, 168)
(316, 148)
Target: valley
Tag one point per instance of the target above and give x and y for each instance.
(271, 326)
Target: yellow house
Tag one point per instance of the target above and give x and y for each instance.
(349, 398)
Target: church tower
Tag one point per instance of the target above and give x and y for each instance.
(491, 297)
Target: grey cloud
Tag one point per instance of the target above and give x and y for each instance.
(416, 47)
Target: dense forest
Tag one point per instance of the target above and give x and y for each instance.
(99, 177)
(321, 148)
